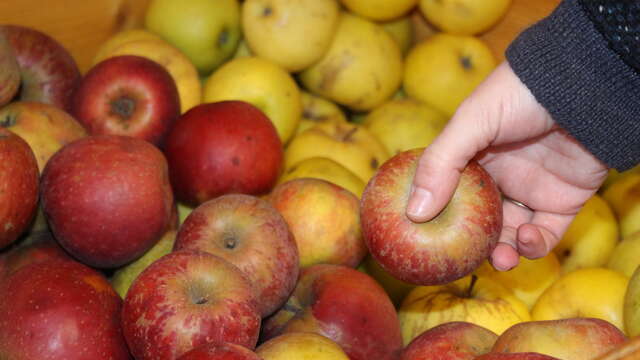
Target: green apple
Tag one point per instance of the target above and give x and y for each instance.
(206, 31)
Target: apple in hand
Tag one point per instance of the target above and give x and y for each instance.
(448, 247)
(107, 198)
(60, 309)
(345, 305)
(220, 148)
(220, 351)
(9, 72)
(186, 299)
(19, 182)
(127, 95)
(251, 234)
(456, 340)
(48, 72)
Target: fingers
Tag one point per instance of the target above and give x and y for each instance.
(538, 237)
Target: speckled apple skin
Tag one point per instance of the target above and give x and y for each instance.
(220, 351)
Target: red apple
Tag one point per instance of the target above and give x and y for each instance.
(127, 95)
(220, 148)
(107, 198)
(186, 299)
(18, 186)
(60, 309)
(439, 251)
(251, 234)
(220, 351)
(35, 248)
(48, 72)
(345, 305)
(516, 356)
(9, 72)
(456, 340)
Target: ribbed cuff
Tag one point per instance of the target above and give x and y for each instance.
(583, 84)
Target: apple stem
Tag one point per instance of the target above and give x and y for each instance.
(474, 278)
(347, 136)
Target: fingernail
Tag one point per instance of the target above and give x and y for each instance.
(418, 202)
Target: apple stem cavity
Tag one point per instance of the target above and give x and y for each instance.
(230, 242)
(124, 107)
(466, 62)
(474, 278)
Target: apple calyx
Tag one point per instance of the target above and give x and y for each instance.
(466, 63)
(123, 107)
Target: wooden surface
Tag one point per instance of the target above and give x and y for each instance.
(82, 25)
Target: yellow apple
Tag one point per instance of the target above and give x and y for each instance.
(589, 292)
(325, 169)
(380, 9)
(362, 67)
(206, 31)
(401, 30)
(301, 346)
(405, 124)
(262, 83)
(122, 37)
(475, 299)
(625, 257)
(623, 195)
(464, 17)
(395, 288)
(631, 310)
(348, 144)
(443, 69)
(316, 109)
(529, 279)
(590, 239)
(292, 33)
(614, 174)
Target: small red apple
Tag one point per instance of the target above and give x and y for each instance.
(251, 234)
(19, 181)
(127, 95)
(456, 340)
(220, 351)
(48, 72)
(448, 247)
(220, 148)
(186, 299)
(107, 198)
(60, 309)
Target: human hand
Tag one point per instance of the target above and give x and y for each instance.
(532, 160)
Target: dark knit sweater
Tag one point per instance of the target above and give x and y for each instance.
(582, 63)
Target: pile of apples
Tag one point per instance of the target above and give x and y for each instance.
(229, 182)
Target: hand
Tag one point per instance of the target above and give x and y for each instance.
(532, 160)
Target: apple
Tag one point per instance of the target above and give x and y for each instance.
(625, 257)
(48, 72)
(9, 72)
(186, 299)
(127, 95)
(456, 340)
(107, 198)
(300, 345)
(251, 234)
(465, 17)
(324, 219)
(345, 305)
(220, 148)
(19, 182)
(46, 128)
(576, 338)
(450, 246)
(631, 309)
(623, 195)
(220, 351)
(515, 356)
(60, 309)
(35, 248)
(630, 350)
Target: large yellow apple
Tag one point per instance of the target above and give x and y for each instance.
(631, 310)
(623, 195)
(262, 83)
(401, 30)
(590, 239)
(529, 279)
(362, 67)
(463, 17)
(589, 292)
(301, 346)
(380, 9)
(348, 144)
(475, 299)
(444, 69)
(405, 124)
(206, 31)
(316, 109)
(625, 257)
(325, 169)
(292, 33)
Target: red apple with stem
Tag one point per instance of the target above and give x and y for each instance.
(60, 309)
(251, 234)
(220, 148)
(48, 72)
(448, 247)
(127, 95)
(107, 198)
(19, 182)
(220, 351)
(186, 299)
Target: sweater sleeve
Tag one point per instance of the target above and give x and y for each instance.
(588, 87)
